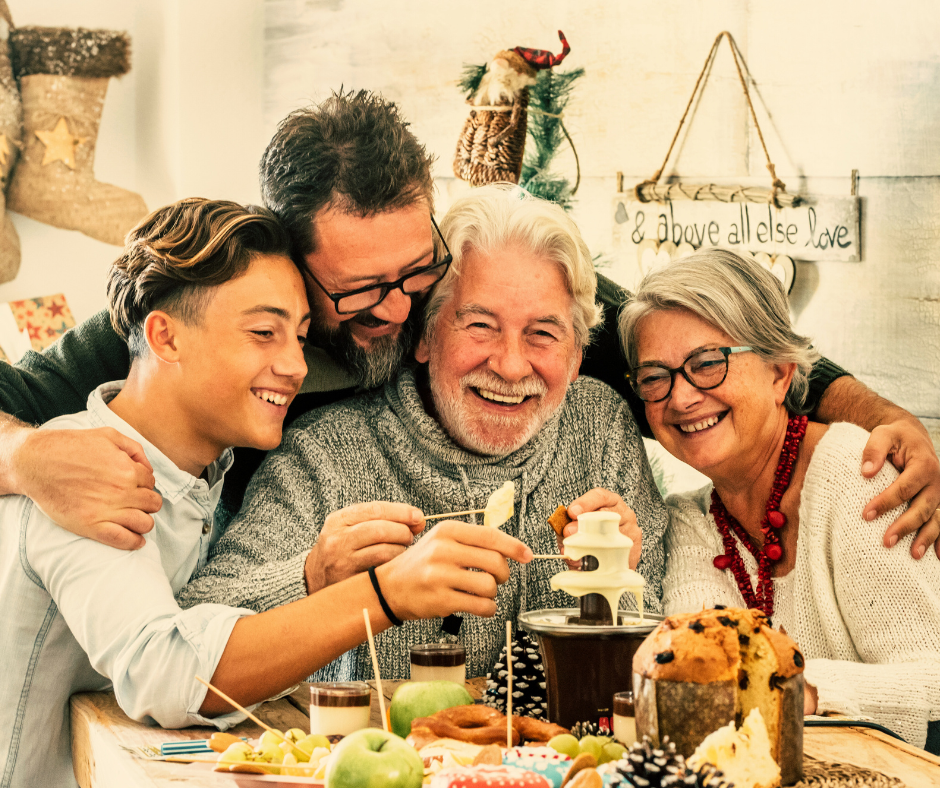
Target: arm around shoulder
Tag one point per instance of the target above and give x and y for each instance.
(898, 436)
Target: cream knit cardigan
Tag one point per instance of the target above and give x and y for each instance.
(867, 618)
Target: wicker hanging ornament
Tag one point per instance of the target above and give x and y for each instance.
(492, 143)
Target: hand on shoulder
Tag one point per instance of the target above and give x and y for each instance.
(95, 483)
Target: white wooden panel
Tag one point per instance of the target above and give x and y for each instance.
(642, 60)
(849, 85)
(881, 318)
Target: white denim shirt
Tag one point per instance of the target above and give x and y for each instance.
(78, 616)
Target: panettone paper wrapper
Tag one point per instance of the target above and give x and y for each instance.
(687, 712)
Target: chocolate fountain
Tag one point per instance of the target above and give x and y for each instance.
(587, 655)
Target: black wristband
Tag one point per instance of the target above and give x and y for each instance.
(378, 592)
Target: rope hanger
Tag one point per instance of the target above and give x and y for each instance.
(650, 190)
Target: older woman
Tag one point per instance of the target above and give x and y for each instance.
(723, 376)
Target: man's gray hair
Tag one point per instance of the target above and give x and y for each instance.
(734, 293)
(499, 215)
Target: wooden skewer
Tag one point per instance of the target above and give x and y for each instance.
(509, 685)
(375, 669)
(455, 514)
(250, 716)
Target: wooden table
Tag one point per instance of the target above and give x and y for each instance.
(99, 727)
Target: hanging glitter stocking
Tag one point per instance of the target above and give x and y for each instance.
(63, 77)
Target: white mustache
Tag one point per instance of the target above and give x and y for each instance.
(530, 387)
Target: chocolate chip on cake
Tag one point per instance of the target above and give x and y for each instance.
(797, 658)
(743, 680)
(697, 626)
(721, 607)
(743, 639)
(727, 621)
(664, 656)
(776, 681)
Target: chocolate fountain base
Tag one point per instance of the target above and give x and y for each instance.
(585, 665)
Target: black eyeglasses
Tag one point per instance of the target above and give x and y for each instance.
(364, 298)
(705, 370)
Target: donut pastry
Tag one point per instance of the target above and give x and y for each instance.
(536, 731)
(479, 725)
(488, 777)
(474, 724)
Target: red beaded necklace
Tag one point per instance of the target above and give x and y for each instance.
(762, 597)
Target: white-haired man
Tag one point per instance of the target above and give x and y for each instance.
(496, 397)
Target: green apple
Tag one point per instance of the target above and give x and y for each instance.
(611, 751)
(373, 758)
(423, 698)
(566, 744)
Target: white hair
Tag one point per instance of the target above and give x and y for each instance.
(499, 215)
(734, 293)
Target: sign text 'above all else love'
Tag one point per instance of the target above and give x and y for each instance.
(819, 228)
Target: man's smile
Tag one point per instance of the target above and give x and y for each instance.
(507, 399)
(367, 325)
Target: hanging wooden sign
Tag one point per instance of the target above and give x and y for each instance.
(817, 228)
(753, 219)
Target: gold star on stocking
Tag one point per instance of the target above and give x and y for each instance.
(4, 150)
(60, 144)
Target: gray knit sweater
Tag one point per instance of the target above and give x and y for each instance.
(384, 446)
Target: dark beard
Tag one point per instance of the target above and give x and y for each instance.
(373, 366)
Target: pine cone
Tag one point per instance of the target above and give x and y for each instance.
(581, 729)
(645, 766)
(528, 681)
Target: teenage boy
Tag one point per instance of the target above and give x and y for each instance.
(214, 313)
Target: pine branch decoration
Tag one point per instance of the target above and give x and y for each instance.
(471, 78)
(549, 96)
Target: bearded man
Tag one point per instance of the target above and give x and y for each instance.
(496, 398)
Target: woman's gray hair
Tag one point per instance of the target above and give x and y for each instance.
(734, 293)
(499, 215)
